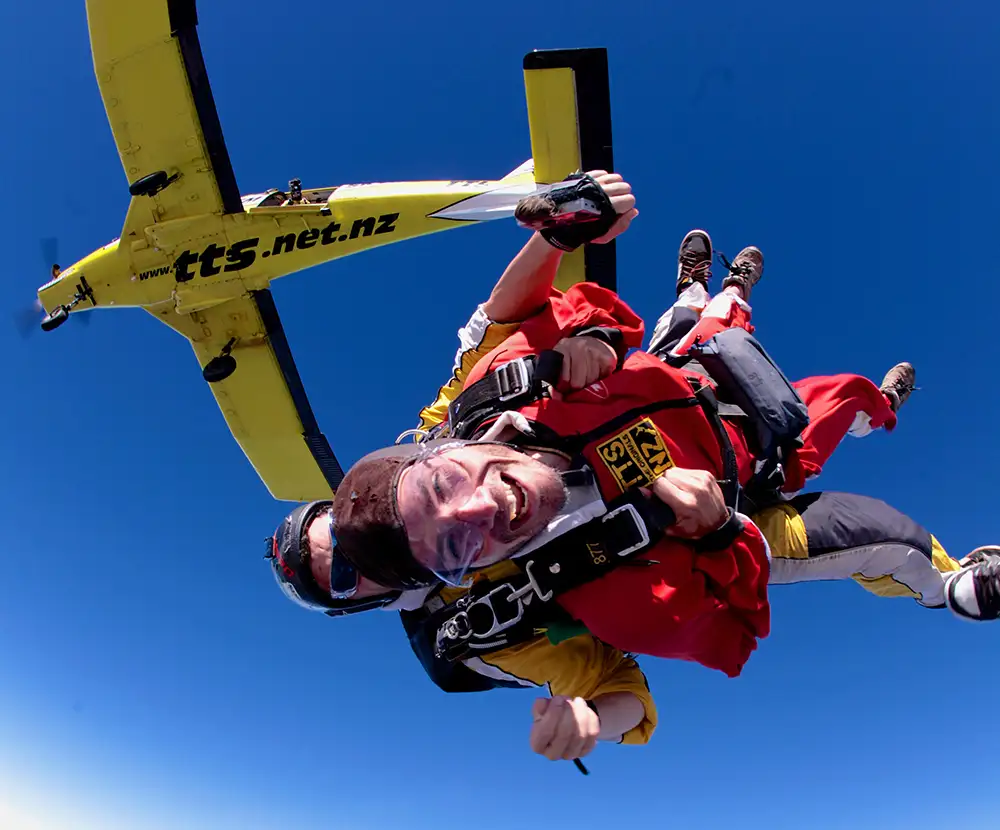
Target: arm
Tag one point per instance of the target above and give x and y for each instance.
(619, 712)
(526, 283)
(579, 669)
(521, 292)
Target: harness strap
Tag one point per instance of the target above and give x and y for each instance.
(508, 387)
(730, 483)
(495, 615)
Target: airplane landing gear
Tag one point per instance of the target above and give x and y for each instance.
(60, 314)
(222, 366)
(152, 184)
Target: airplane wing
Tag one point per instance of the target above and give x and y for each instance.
(569, 119)
(152, 78)
(263, 401)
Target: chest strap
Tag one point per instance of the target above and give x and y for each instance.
(496, 615)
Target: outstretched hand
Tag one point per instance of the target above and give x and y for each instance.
(622, 199)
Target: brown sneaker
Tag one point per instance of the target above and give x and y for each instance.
(694, 260)
(898, 383)
(745, 271)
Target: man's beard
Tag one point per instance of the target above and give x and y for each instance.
(552, 498)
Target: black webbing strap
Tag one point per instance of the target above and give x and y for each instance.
(496, 615)
(512, 385)
(730, 482)
(632, 525)
(722, 537)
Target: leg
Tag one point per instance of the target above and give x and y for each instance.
(678, 320)
(729, 309)
(841, 405)
(726, 311)
(694, 262)
(695, 316)
(824, 536)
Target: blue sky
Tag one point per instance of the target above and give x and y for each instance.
(151, 673)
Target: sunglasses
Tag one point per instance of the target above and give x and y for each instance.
(344, 578)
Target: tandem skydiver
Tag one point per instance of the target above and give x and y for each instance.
(681, 566)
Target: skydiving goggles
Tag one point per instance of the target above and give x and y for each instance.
(293, 574)
(444, 544)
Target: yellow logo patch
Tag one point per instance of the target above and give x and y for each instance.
(636, 456)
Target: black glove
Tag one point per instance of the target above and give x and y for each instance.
(575, 211)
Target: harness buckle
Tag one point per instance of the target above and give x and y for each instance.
(641, 532)
(513, 378)
(496, 623)
(533, 585)
(480, 619)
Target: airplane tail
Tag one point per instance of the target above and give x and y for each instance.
(569, 117)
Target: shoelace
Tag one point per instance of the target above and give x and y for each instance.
(900, 381)
(694, 267)
(743, 270)
(902, 388)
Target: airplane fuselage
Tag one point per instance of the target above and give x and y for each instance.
(199, 261)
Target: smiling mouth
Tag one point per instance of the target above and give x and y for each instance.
(517, 502)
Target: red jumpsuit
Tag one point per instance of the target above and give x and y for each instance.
(707, 607)
(834, 401)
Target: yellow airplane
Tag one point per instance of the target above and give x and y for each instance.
(200, 257)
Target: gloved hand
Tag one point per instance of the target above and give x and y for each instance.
(591, 207)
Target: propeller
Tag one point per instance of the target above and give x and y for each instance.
(27, 318)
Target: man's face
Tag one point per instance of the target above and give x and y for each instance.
(321, 558)
(475, 505)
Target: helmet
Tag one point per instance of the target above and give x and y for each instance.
(293, 573)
